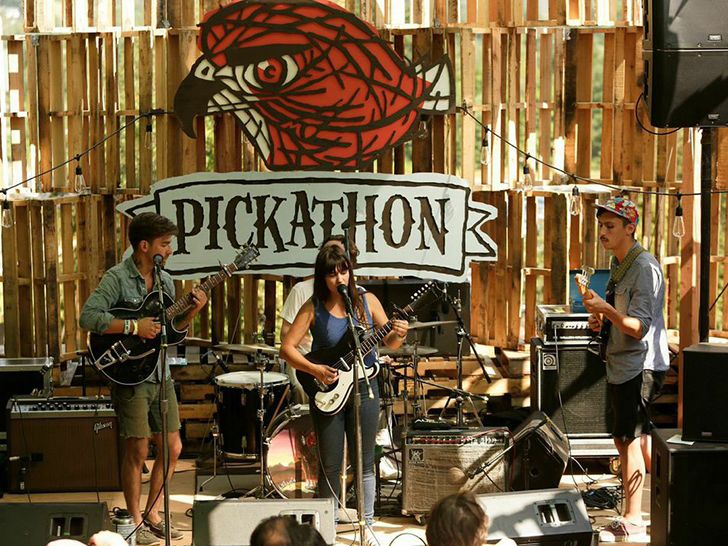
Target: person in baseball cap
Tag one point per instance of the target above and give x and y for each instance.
(634, 340)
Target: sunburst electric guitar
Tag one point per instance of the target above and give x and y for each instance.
(329, 399)
(129, 359)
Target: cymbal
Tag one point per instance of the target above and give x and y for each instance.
(408, 350)
(247, 349)
(417, 324)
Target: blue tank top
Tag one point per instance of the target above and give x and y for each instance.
(327, 330)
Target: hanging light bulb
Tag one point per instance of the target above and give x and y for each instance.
(485, 150)
(79, 180)
(575, 201)
(7, 220)
(422, 131)
(147, 136)
(678, 225)
(527, 182)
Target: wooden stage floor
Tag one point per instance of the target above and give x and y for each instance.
(182, 495)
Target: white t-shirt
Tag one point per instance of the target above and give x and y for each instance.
(299, 294)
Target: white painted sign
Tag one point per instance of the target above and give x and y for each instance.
(421, 225)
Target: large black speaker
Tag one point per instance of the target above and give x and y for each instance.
(705, 405)
(688, 501)
(580, 376)
(39, 523)
(686, 63)
(444, 337)
(553, 517)
(540, 454)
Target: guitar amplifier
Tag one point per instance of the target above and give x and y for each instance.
(557, 324)
(439, 463)
(62, 444)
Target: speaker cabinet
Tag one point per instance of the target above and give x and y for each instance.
(444, 337)
(540, 454)
(62, 445)
(670, 24)
(688, 484)
(552, 517)
(230, 522)
(580, 377)
(686, 63)
(439, 463)
(705, 406)
(39, 523)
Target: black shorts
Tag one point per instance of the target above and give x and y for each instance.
(630, 402)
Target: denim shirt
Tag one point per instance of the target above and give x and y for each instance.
(121, 286)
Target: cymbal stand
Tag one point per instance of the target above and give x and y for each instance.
(415, 391)
(261, 491)
(462, 335)
(215, 454)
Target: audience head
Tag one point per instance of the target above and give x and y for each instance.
(457, 520)
(338, 240)
(285, 531)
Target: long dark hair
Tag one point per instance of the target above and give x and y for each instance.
(329, 259)
(457, 520)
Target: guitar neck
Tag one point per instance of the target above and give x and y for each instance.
(372, 341)
(185, 303)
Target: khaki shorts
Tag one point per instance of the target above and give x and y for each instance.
(137, 409)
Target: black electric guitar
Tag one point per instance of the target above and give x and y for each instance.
(128, 359)
(330, 399)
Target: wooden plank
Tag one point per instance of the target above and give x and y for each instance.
(530, 261)
(422, 146)
(196, 411)
(11, 296)
(559, 246)
(51, 266)
(467, 63)
(111, 122)
(39, 294)
(571, 74)
(144, 48)
(515, 264)
(194, 393)
(584, 56)
(546, 93)
(619, 113)
(130, 132)
(530, 97)
(70, 323)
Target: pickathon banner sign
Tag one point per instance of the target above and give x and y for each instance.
(423, 225)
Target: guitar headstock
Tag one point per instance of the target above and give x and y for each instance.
(245, 257)
(583, 279)
(419, 298)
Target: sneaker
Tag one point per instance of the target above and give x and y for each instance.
(157, 529)
(622, 530)
(144, 537)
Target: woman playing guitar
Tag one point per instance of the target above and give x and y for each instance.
(325, 316)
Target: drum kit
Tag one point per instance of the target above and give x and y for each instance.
(256, 422)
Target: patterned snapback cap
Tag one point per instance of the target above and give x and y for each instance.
(623, 207)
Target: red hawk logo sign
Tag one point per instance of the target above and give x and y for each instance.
(313, 86)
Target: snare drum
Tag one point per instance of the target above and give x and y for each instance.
(293, 457)
(237, 406)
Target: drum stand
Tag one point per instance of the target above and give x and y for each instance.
(216, 452)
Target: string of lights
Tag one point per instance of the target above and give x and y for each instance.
(678, 228)
(79, 180)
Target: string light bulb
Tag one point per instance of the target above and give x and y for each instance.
(575, 201)
(147, 136)
(422, 130)
(485, 150)
(527, 182)
(79, 181)
(678, 225)
(7, 217)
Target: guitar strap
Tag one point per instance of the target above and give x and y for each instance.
(616, 275)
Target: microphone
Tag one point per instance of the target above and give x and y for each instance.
(158, 259)
(445, 304)
(343, 290)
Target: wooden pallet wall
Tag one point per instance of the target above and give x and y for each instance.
(558, 78)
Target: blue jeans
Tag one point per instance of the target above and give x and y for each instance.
(331, 430)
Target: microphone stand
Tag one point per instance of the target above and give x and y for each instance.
(163, 398)
(358, 367)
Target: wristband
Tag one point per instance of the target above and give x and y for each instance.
(134, 327)
(127, 324)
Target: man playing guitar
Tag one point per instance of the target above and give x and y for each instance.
(137, 406)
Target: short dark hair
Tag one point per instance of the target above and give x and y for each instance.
(274, 531)
(306, 535)
(353, 250)
(148, 226)
(457, 520)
